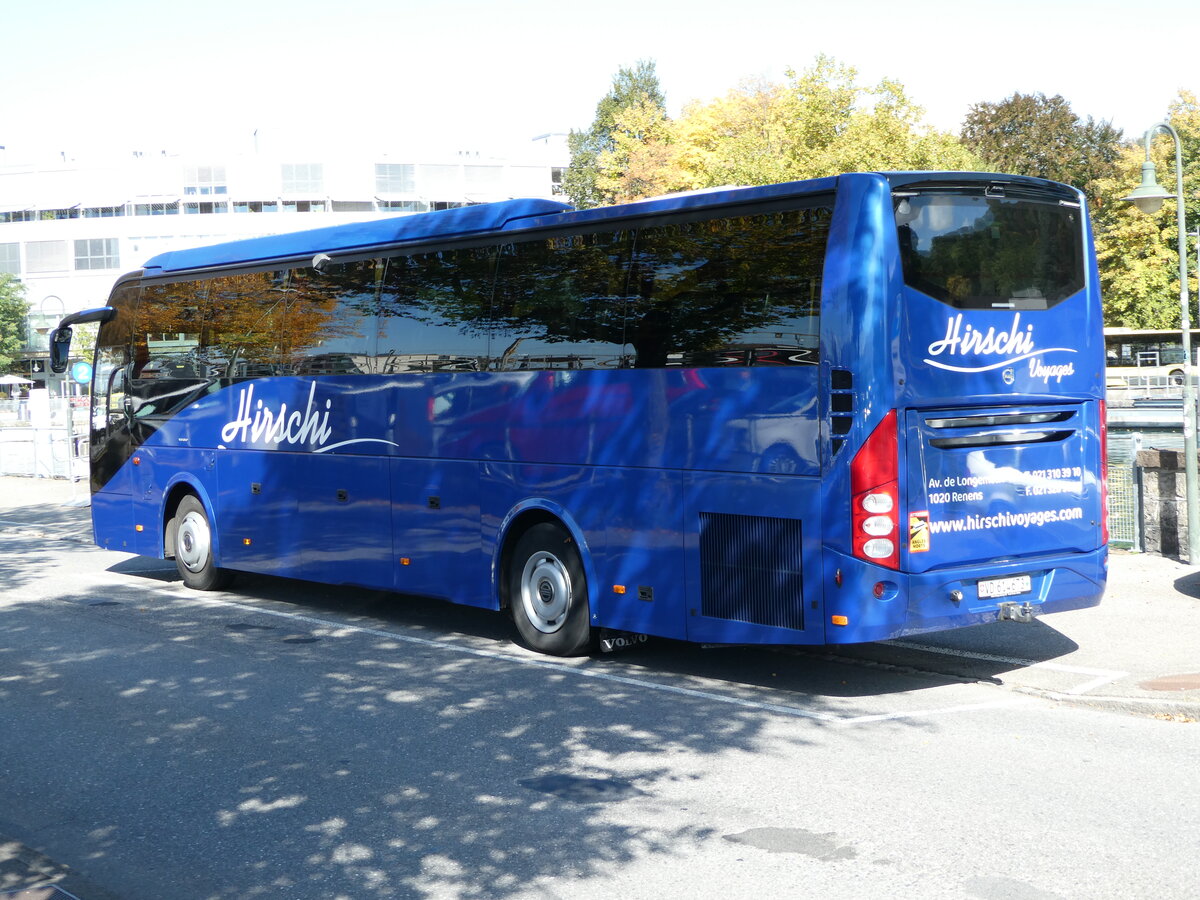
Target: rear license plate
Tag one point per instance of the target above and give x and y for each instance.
(1005, 587)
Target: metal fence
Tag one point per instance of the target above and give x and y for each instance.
(1124, 506)
(46, 443)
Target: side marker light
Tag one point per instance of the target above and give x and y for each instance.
(839, 620)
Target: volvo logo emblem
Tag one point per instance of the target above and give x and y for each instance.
(1009, 375)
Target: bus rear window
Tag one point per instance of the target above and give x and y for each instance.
(975, 251)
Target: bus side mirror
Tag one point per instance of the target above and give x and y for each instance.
(60, 349)
(60, 337)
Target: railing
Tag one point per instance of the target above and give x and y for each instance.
(1125, 500)
(54, 447)
(1134, 390)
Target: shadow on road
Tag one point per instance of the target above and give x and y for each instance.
(418, 754)
(801, 671)
(1189, 585)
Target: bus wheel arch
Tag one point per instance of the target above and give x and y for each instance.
(1176, 376)
(189, 538)
(543, 582)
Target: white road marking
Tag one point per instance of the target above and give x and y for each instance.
(338, 629)
(1099, 677)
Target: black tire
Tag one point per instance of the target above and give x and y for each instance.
(193, 548)
(548, 595)
(1177, 377)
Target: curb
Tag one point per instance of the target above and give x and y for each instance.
(1153, 707)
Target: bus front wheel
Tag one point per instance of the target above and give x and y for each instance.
(548, 592)
(193, 548)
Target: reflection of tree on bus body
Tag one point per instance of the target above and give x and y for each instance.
(676, 294)
(684, 294)
(250, 324)
(741, 291)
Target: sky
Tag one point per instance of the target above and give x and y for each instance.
(81, 76)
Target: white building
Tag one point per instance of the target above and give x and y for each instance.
(69, 228)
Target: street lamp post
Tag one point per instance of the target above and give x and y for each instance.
(1149, 197)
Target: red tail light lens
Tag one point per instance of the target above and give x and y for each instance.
(875, 496)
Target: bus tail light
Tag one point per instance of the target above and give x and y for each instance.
(875, 496)
(1103, 472)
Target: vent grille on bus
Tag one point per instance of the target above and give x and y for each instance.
(750, 570)
(997, 429)
(841, 407)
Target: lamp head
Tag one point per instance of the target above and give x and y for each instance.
(1149, 195)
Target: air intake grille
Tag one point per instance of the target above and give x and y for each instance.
(841, 407)
(750, 570)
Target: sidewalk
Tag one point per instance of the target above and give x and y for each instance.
(1137, 652)
(46, 507)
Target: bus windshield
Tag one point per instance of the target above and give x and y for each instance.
(980, 249)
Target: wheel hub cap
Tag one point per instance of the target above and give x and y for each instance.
(546, 592)
(194, 542)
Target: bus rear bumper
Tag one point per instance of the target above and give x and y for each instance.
(918, 603)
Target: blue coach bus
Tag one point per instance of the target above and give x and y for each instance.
(829, 411)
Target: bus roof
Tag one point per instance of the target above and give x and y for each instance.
(488, 218)
(464, 221)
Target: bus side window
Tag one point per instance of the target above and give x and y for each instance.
(431, 308)
(559, 303)
(328, 320)
(737, 291)
(165, 332)
(244, 325)
(292, 322)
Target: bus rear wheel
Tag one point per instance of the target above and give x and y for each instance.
(548, 594)
(193, 547)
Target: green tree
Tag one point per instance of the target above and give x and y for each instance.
(632, 88)
(1138, 254)
(1032, 134)
(1184, 116)
(818, 122)
(13, 310)
(640, 162)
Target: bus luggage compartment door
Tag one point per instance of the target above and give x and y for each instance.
(1001, 483)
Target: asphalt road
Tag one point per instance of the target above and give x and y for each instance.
(288, 740)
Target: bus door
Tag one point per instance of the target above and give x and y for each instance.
(110, 439)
